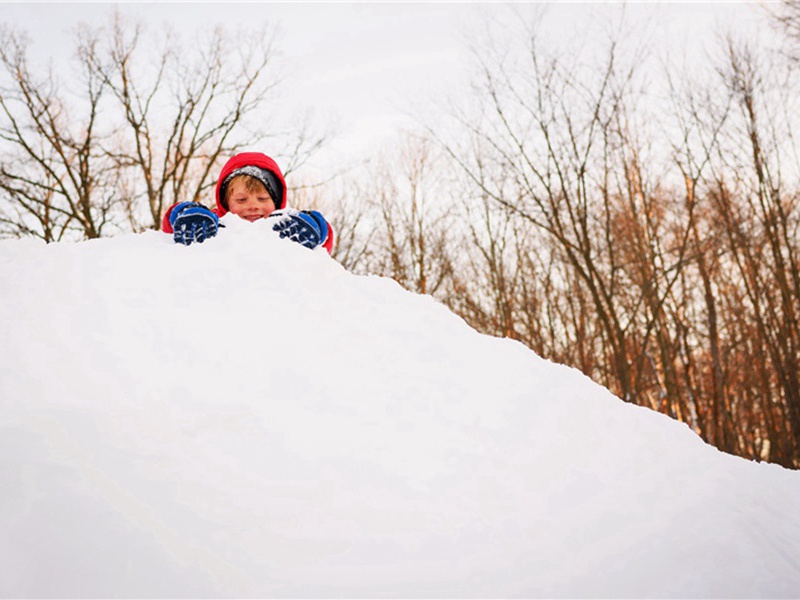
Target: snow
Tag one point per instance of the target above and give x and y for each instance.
(246, 418)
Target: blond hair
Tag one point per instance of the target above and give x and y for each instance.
(251, 184)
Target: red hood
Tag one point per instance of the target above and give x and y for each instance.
(245, 159)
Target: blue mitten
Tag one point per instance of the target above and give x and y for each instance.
(306, 227)
(192, 222)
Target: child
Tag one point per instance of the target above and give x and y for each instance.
(251, 186)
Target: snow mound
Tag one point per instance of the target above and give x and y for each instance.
(245, 418)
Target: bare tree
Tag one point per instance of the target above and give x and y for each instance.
(149, 125)
(409, 196)
(760, 219)
(557, 129)
(655, 249)
(53, 176)
(184, 112)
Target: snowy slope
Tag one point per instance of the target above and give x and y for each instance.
(245, 418)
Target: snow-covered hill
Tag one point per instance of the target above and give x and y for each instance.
(246, 418)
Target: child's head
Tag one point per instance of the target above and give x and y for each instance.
(250, 185)
(247, 197)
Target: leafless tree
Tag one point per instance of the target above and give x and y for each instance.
(150, 125)
(186, 111)
(654, 247)
(53, 176)
(408, 195)
(759, 213)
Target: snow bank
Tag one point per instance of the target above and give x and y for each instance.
(246, 418)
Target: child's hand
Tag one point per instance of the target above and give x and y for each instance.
(306, 227)
(192, 222)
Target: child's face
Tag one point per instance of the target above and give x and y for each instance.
(251, 204)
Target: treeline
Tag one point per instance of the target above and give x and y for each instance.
(614, 212)
(645, 233)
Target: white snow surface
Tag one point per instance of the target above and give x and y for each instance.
(245, 418)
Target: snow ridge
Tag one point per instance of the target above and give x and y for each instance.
(246, 418)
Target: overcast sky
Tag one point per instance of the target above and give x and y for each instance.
(366, 64)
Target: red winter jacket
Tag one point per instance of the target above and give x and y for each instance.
(242, 160)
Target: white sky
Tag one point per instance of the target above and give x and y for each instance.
(366, 65)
